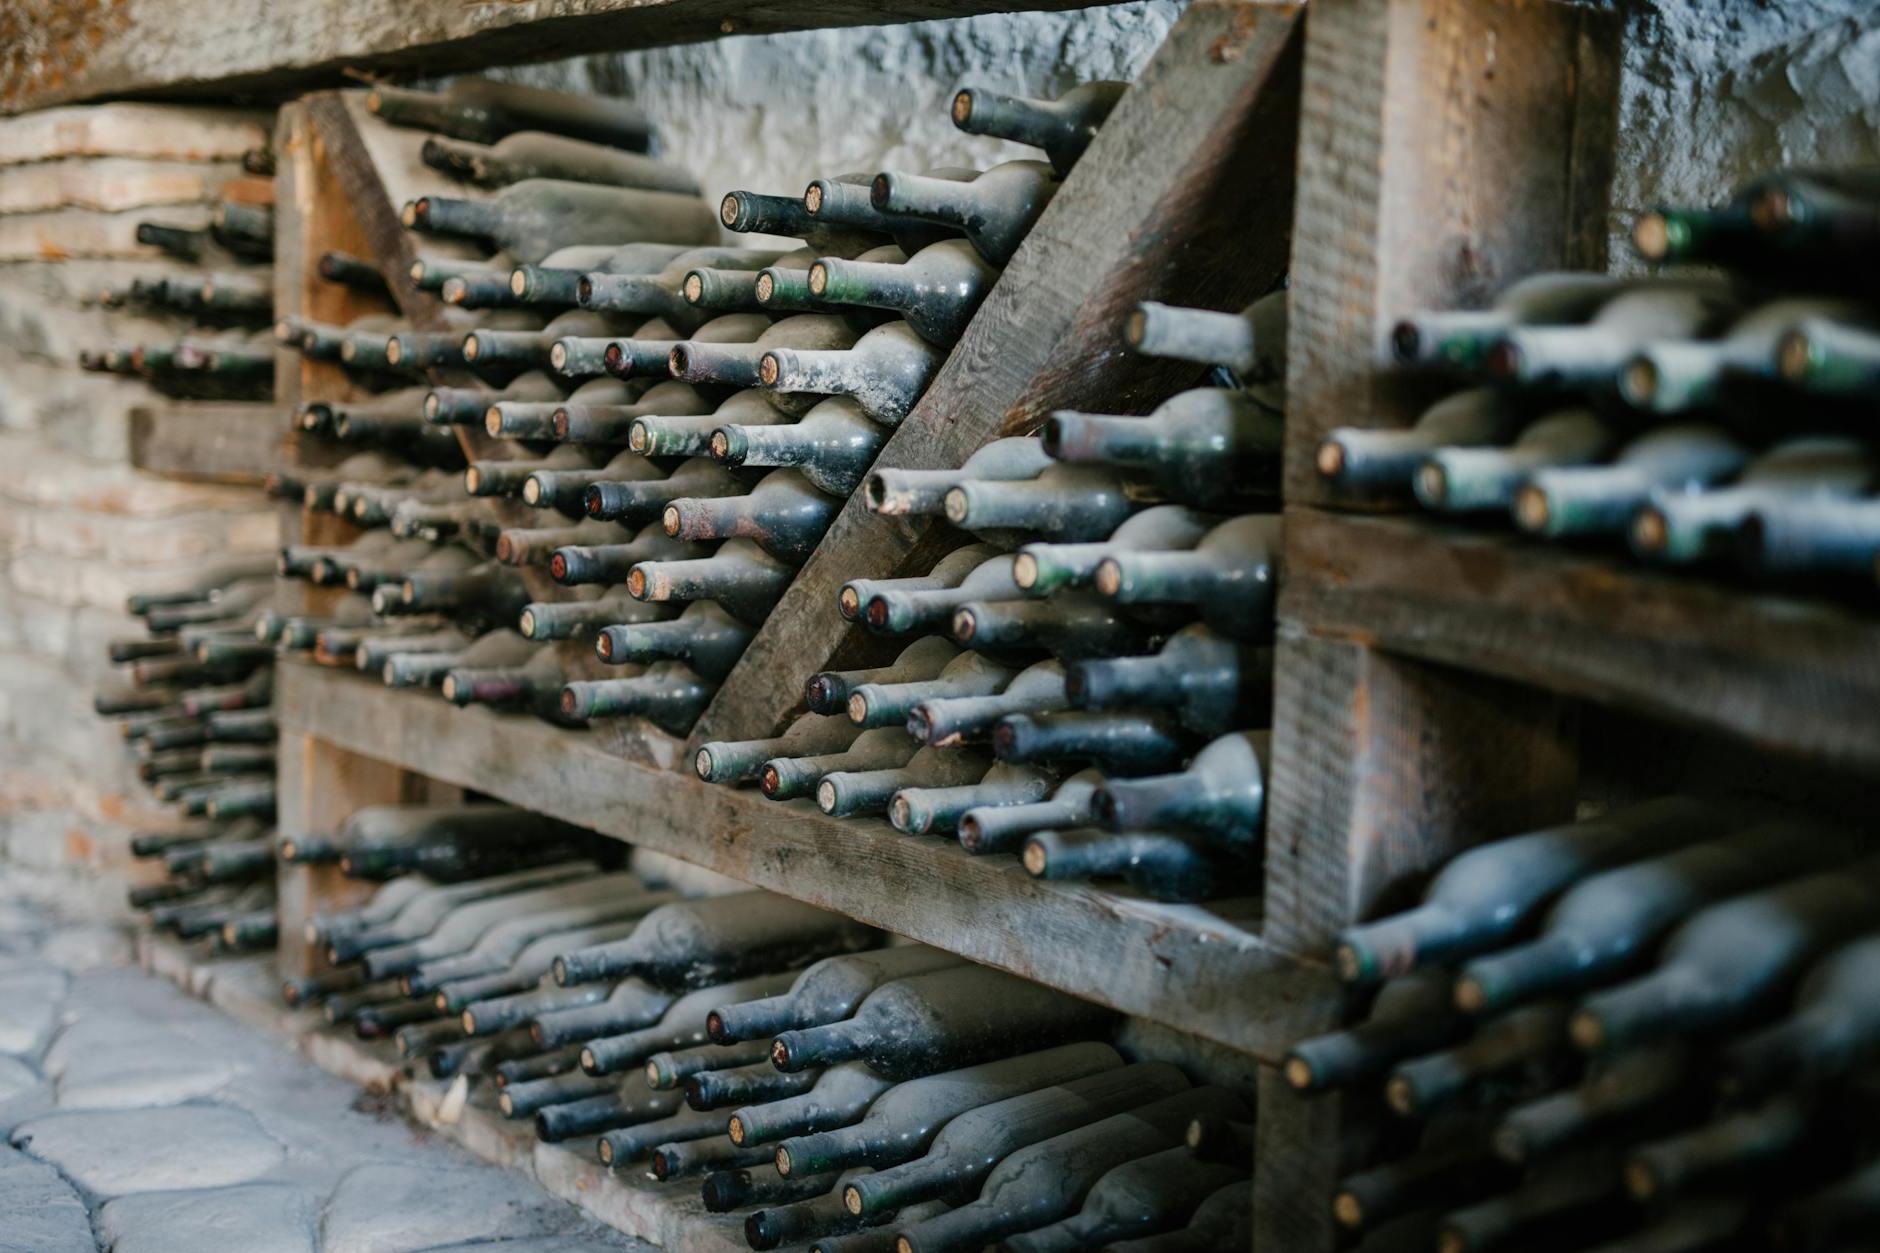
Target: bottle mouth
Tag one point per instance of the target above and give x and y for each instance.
(1406, 342)
(1329, 460)
(962, 108)
(729, 211)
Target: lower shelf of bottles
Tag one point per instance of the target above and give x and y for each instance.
(248, 988)
(1201, 969)
(1795, 674)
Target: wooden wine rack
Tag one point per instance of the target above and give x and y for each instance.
(1386, 155)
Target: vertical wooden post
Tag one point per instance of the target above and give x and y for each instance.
(1446, 147)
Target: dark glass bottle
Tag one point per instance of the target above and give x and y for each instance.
(1361, 459)
(527, 154)
(750, 212)
(1168, 867)
(841, 1095)
(994, 210)
(1221, 795)
(558, 284)
(1700, 527)
(937, 290)
(1571, 501)
(574, 619)
(1524, 1048)
(484, 110)
(662, 294)
(903, 492)
(785, 778)
(1003, 828)
(668, 694)
(1476, 479)
(690, 435)
(466, 406)
(1228, 577)
(1072, 625)
(531, 219)
(848, 200)
(1137, 1197)
(1833, 1028)
(1484, 896)
(741, 761)
(885, 370)
(785, 514)
(1212, 447)
(832, 445)
(847, 794)
(944, 1018)
(699, 942)
(636, 500)
(1063, 503)
(1041, 569)
(1250, 343)
(1461, 339)
(828, 691)
(1210, 682)
(1792, 226)
(1062, 127)
(704, 637)
(1636, 1090)
(902, 606)
(937, 810)
(573, 565)
(1593, 354)
(826, 992)
(965, 704)
(1412, 1015)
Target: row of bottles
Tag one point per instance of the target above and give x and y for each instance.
(1649, 1029)
(812, 1082)
(219, 292)
(1086, 676)
(1704, 421)
(195, 715)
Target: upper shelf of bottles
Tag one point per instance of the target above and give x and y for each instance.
(1198, 968)
(155, 49)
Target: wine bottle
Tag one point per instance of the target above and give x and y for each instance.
(668, 694)
(756, 1081)
(1251, 343)
(974, 1142)
(566, 490)
(1485, 895)
(1833, 1029)
(431, 273)
(506, 478)
(455, 995)
(1834, 355)
(945, 1018)
(739, 365)
(1687, 1225)
(885, 371)
(832, 445)
(839, 1097)
(784, 514)
(531, 349)
(1063, 503)
(1223, 1221)
(828, 692)
(1228, 576)
(448, 841)
(1210, 682)
(484, 110)
(1221, 795)
(1450, 1168)
(1732, 1151)
(1041, 569)
(1632, 1093)
(785, 289)
(428, 668)
(691, 1155)
(640, 498)
(905, 492)
(1359, 459)
(1138, 1197)
(786, 778)
(628, 1105)
(575, 619)
(488, 588)
(690, 435)
(1607, 925)
(360, 275)
(706, 638)
(535, 685)
(1002, 829)
(1792, 226)
(847, 794)
(523, 155)
(1461, 339)
(978, 572)
(1413, 1014)
(748, 1186)
(628, 1006)
(545, 284)
(670, 1070)
(1593, 354)
(681, 1026)
(1732, 960)
(848, 200)
(647, 352)
(749, 212)
(937, 810)
(464, 918)
(1678, 375)
(1071, 626)
(498, 1014)
(728, 291)
(903, 1119)
(536, 546)
(531, 219)
(1213, 447)
(698, 942)
(1462, 480)
(464, 406)
(740, 761)
(994, 210)
(949, 713)
(1166, 866)
(742, 577)
(1810, 538)
(661, 294)
(1600, 500)
(535, 419)
(937, 290)
(1683, 529)
(1063, 127)
(1519, 1047)
(826, 992)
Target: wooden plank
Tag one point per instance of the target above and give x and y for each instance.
(1184, 195)
(170, 132)
(1446, 148)
(222, 443)
(1788, 674)
(1201, 969)
(157, 48)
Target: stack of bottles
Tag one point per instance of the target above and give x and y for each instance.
(195, 714)
(1704, 420)
(224, 301)
(1649, 1030)
(1087, 678)
(821, 1086)
(694, 413)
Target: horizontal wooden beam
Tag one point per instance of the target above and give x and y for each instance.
(59, 54)
(221, 443)
(1202, 969)
(1800, 676)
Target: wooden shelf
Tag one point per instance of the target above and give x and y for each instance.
(254, 48)
(1201, 969)
(1796, 675)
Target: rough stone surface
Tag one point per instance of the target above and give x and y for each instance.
(143, 1121)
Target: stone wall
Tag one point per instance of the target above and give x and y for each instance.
(80, 528)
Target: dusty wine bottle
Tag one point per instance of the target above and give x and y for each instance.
(1003, 828)
(1412, 1014)
(639, 499)
(1220, 795)
(902, 492)
(1041, 568)
(1063, 503)
(1600, 500)
(1063, 127)
(681, 1026)
(840, 1096)
(1210, 682)
(740, 761)
(937, 810)
(1072, 625)
(902, 606)
(701, 941)
(885, 371)
(844, 793)
(483, 110)
(531, 219)
(523, 155)
(673, 435)
(1461, 339)
(832, 445)
(828, 692)
(994, 210)
(1461, 480)
(785, 515)
(1359, 459)
(1594, 354)
(558, 284)
(1251, 343)
(937, 290)
(741, 576)
(1519, 1047)
(706, 638)
(1833, 1028)
(1154, 1193)
(1635, 1091)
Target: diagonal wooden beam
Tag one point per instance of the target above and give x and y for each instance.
(1185, 195)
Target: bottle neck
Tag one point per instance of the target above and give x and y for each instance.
(877, 284)
(1199, 335)
(1159, 578)
(545, 285)
(1401, 943)
(1671, 997)
(735, 365)
(956, 204)
(628, 293)
(1121, 742)
(447, 215)
(749, 212)
(493, 686)
(722, 291)
(402, 107)
(780, 290)
(1087, 438)
(1119, 682)
(511, 348)
(801, 1049)
(1553, 963)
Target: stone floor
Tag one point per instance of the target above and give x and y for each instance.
(139, 1120)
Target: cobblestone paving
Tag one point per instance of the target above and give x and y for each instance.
(139, 1120)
